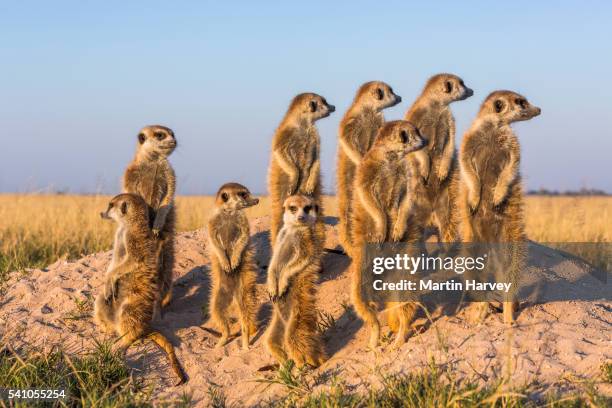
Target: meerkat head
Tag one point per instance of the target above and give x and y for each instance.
(309, 107)
(447, 88)
(377, 95)
(507, 107)
(300, 210)
(400, 137)
(126, 208)
(234, 196)
(156, 141)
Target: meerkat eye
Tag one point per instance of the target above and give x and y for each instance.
(243, 194)
(461, 82)
(404, 136)
(224, 197)
(307, 209)
(313, 106)
(160, 135)
(499, 106)
(520, 102)
(293, 209)
(110, 205)
(448, 86)
(380, 94)
(123, 207)
(316, 208)
(141, 138)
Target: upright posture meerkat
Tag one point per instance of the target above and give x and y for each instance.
(357, 132)
(437, 164)
(383, 213)
(127, 302)
(151, 176)
(490, 193)
(234, 270)
(294, 166)
(292, 277)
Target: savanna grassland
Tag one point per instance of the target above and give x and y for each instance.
(37, 230)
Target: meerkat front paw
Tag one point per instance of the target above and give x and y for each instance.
(473, 202)
(499, 194)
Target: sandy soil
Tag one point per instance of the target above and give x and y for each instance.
(557, 343)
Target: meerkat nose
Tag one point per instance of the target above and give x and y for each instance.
(398, 98)
(331, 108)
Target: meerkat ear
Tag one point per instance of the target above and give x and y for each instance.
(141, 138)
(123, 208)
(224, 197)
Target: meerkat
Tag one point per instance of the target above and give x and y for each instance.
(152, 177)
(490, 198)
(357, 132)
(383, 212)
(437, 164)
(233, 266)
(295, 165)
(127, 303)
(291, 282)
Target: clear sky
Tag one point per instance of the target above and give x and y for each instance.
(78, 79)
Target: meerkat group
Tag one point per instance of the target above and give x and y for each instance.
(395, 180)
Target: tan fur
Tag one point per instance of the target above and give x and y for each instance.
(356, 136)
(130, 295)
(295, 162)
(490, 198)
(383, 212)
(437, 163)
(292, 277)
(233, 267)
(151, 176)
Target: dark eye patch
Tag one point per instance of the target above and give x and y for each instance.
(404, 136)
(292, 208)
(313, 106)
(160, 135)
(307, 209)
(520, 102)
(380, 94)
(141, 138)
(123, 207)
(448, 86)
(243, 194)
(499, 106)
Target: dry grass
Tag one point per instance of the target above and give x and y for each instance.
(36, 230)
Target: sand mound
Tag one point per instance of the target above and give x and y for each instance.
(551, 340)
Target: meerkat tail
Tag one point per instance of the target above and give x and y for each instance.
(167, 347)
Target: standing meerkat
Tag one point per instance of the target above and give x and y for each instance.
(292, 277)
(127, 303)
(152, 177)
(357, 132)
(233, 266)
(490, 194)
(437, 164)
(383, 212)
(294, 165)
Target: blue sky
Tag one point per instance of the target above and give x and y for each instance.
(78, 79)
